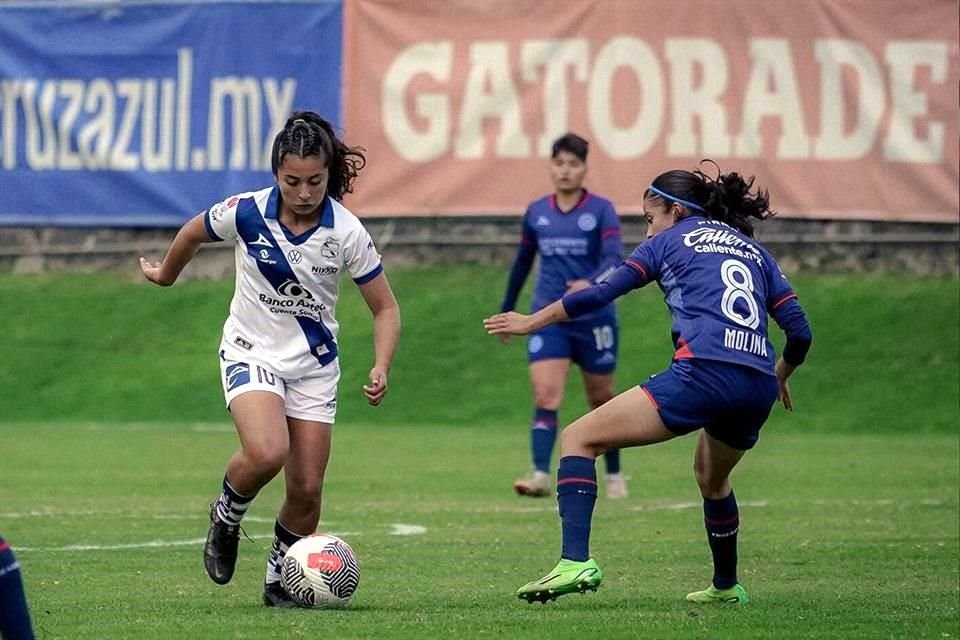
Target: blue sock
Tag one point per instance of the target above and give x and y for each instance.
(543, 433)
(14, 615)
(612, 459)
(576, 495)
(723, 522)
(231, 506)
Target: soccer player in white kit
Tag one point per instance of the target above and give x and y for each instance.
(278, 355)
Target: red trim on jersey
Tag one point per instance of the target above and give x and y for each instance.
(582, 201)
(636, 265)
(782, 300)
(656, 404)
(607, 233)
(4, 546)
(683, 352)
(586, 480)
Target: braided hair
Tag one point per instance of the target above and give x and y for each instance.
(308, 134)
(728, 198)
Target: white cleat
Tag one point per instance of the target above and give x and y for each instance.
(616, 486)
(535, 485)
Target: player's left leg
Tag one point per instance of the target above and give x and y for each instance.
(300, 512)
(713, 462)
(630, 419)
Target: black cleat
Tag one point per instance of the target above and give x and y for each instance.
(274, 595)
(220, 550)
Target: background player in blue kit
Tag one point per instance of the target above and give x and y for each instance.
(719, 285)
(577, 234)
(278, 356)
(14, 614)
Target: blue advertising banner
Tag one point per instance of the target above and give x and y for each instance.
(143, 113)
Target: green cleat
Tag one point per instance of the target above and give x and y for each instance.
(567, 577)
(734, 595)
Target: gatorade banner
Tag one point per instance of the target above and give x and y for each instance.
(841, 108)
(143, 113)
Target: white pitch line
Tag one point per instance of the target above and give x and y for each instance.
(407, 530)
(159, 544)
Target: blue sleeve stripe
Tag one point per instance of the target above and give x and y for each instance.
(210, 232)
(370, 276)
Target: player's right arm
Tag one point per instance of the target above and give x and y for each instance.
(522, 264)
(181, 251)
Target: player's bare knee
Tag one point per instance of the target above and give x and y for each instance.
(548, 397)
(266, 459)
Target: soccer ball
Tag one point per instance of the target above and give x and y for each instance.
(320, 571)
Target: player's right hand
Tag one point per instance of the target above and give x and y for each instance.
(151, 271)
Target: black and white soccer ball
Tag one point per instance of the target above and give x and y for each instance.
(320, 571)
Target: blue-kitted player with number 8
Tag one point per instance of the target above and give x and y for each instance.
(720, 285)
(577, 235)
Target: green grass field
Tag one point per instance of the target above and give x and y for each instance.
(114, 442)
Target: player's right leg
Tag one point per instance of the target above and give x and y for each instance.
(548, 377)
(254, 398)
(630, 419)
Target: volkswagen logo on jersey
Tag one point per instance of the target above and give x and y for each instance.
(295, 257)
(293, 289)
(587, 222)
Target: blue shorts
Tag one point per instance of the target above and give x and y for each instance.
(729, 401)
(591, 343)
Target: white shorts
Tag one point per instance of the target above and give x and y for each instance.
(310, 398)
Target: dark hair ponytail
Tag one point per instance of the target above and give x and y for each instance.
(728, 198)
(308, 134)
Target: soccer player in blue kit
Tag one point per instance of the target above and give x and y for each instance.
(14, 613)
(293, 242)
(577, 234)
(719, 285)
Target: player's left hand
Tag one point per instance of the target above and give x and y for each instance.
(377, 389)
(577, 285)
(510, 323)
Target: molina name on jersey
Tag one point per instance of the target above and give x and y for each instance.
(283, 307)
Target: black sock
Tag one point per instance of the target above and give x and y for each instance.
(723, 522)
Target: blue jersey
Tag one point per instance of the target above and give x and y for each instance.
(719, 285)
(583, 243)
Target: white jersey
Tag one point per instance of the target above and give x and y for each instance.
(283, 308)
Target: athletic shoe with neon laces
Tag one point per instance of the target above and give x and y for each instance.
(535, 485)
(274, 595)
(711, 595)
(616, 486)
(220, 550)
(567, 577)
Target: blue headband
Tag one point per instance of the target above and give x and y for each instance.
(664, 194)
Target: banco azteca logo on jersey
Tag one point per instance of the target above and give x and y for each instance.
(295, 300)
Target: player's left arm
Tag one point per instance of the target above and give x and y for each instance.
(783, 307)
(611, 249)
(386, 333)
